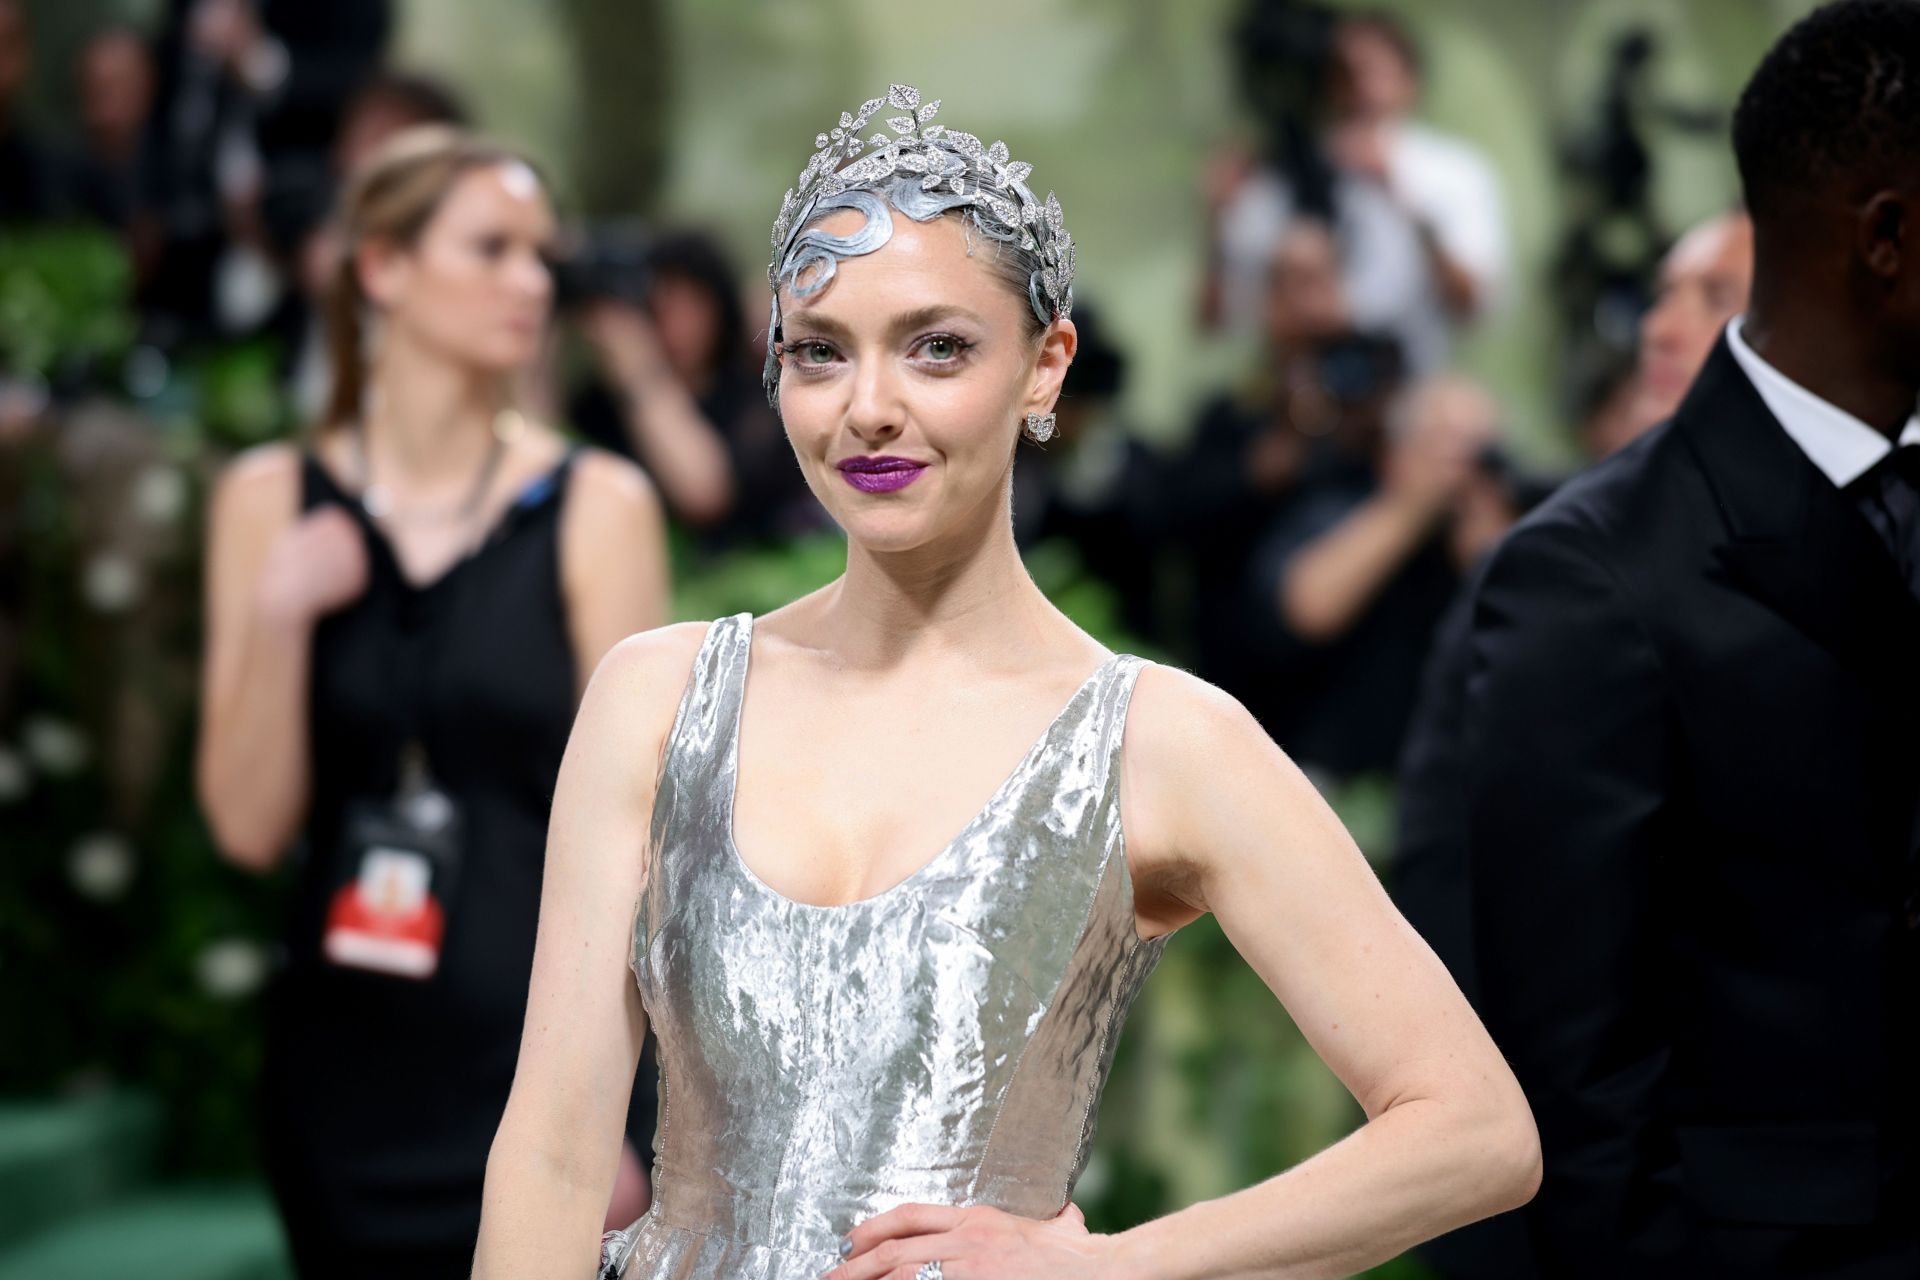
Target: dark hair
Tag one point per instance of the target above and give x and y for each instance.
(1098, 367)
(1389, 27)
(697, 258)
(392, 198)
(1837, 96)
(421, 98)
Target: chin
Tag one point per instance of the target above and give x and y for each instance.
(892, 530)
(885, 535)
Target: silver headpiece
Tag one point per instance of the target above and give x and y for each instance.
(922, 169)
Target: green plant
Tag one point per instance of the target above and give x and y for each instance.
(63, 300)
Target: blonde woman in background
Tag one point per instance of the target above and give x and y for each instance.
(401, 616)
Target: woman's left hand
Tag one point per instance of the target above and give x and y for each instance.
(976, 1243)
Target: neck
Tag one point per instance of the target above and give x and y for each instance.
(965, 597)
(1829, 351)
(428, 419)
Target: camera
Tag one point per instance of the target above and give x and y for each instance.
(603, 262)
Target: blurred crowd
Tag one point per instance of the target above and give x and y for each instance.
(1308, 540)
(1299, 548)
(217, 146)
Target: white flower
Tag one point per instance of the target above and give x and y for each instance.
(231, 968)
(15, 778)
(160, 494)
(57, 747)
(111, 582)
(101, 866)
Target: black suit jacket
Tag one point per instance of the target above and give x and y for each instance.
(1692, 777)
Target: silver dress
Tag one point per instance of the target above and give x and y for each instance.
(945, 1041)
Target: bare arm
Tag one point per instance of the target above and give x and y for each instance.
(1330, 582)
(1428, 464)
(1460, 291)
(1448, 1139)
(270, 574)
(553, 1159)
(613, 557)
(1218, 819)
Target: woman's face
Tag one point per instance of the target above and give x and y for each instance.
(904, 384)
(475, 287)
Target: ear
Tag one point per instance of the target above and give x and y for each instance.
(1057, 346)
(383, 268)
(1884, 234)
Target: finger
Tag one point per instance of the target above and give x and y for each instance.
(904, 1220)
(902, 1255)
(1071, 1216)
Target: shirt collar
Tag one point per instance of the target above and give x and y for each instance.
(1842, 446)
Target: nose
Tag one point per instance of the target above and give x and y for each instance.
(874, 411)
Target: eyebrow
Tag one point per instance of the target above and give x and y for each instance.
(905, 322)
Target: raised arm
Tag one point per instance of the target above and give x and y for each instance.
(553, 1159)
(271, 574)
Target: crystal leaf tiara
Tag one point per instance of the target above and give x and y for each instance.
(953, 169)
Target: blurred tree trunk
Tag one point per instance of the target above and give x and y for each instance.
(621, 57)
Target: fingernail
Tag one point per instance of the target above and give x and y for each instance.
(846, 1245)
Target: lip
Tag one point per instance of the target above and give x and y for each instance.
(881, 473)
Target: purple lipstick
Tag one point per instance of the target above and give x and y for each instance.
(880, 474)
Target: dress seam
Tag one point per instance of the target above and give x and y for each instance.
(1109, 786)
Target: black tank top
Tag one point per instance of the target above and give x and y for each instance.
(383, 1093)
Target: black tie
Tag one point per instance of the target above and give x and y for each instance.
(1889, 497)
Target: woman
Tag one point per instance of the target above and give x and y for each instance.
(398, 621)
(882, 1054)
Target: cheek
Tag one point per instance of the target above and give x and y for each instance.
(443, 289)
(809, 414)
(973, 422)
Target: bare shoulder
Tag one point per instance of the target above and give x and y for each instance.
(649, 668)
(1180, 724)
(605, 485)
(260, 484)
(1197, 771)
(635, 691)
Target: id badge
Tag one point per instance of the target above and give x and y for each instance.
(397, 863)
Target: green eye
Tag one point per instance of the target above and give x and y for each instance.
(944, 348)
(815, 353)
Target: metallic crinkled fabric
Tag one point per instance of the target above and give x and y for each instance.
(945, 1041)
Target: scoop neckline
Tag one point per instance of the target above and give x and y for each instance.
(941, 855)
(544, 485)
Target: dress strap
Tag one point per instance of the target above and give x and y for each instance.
(700, 746)
(1115, 696)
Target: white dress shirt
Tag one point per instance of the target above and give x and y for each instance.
(1842, 446)
(1385, 275)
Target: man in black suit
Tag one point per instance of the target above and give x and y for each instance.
(1692, 742)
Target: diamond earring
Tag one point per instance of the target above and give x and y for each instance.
(1039, 427)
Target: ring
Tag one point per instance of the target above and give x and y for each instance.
(928, 1271)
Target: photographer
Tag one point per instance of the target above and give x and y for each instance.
(1417, 211)
(1312, 413)
(1361, 568)
(674, 391)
